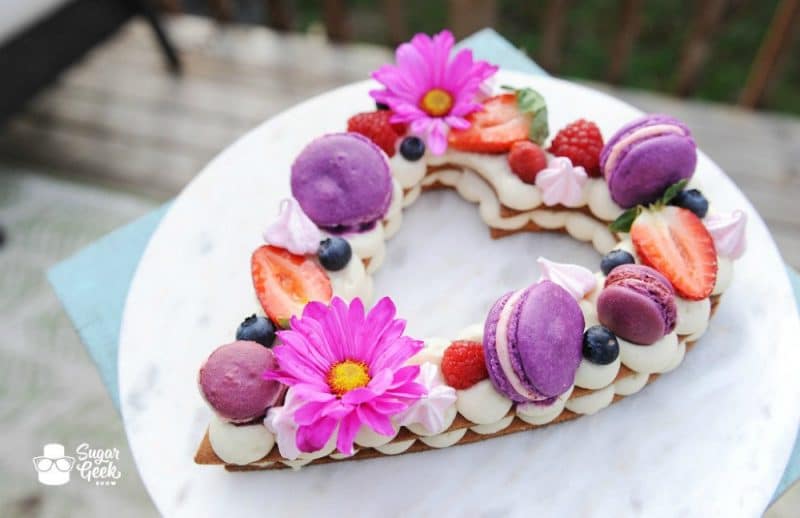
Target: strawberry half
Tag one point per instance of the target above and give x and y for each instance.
(495, 128)
(285, 282)
(675, 242)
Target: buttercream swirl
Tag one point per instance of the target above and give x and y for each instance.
(561, 183)
(293, 230)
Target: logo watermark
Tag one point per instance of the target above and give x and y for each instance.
(53, 466)
(98, 466)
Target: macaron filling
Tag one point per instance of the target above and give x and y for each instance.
(635, 125)
(620, 148)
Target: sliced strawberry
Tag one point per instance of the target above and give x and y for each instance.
(675, 242)
(493, 129)
(285, 282)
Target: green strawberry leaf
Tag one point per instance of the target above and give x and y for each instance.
(672, 191)
(625, 220)
(531, 101)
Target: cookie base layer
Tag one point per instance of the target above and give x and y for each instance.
(205, 453)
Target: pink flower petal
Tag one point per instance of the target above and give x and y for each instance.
(421, 126)
(348, 428)
(458, 71)
(308, 392)
(375, 420)
(381, 381)
(389, 406)
(407, 391)
(294, 360)
(405, 375)
(313, 437)
(394, 356)
(437, 138)
(458, 123)
(309, 413)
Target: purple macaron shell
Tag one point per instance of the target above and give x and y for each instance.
(648, 166)
(544, 334)
(231, 381)
(342, 180)
(637, 304)
(496, 374)
(548, 337)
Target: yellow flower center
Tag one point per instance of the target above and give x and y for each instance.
(347, 375)
(437, 102)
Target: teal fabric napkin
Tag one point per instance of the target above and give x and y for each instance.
(93, 284)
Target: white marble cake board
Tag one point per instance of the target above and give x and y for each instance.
(710, 439)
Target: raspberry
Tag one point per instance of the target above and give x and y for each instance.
(526, 159)
(581, 142)
(376, 127)
(463, 364)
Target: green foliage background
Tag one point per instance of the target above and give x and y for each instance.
(590, 31)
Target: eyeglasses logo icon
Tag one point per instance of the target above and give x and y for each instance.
(53, 466)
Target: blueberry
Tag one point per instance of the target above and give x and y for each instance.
(692, 200)
(615, 258)
(381, 106)
(257, 329)
(600, 345)
(412, 148)
(334, 253)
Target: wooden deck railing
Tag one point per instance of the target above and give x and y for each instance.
(467, 16)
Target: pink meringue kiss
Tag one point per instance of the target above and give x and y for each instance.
(728, 231)
(577, 280)
(430, 410)
(561, 183)
(293, 230)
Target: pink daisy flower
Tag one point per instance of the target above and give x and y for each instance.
(430, 91)
(347, 369)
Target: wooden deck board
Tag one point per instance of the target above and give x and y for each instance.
(120, 119)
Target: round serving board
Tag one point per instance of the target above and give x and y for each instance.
(709, 439)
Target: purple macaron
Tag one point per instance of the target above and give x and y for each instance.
(532, 342)
(231, 381)
(645, 157)
(637, 304)
(342, 182)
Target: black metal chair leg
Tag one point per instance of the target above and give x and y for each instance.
(170, 54)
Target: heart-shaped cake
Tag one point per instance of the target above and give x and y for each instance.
(325, 375)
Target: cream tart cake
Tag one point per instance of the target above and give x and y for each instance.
(324, 373)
